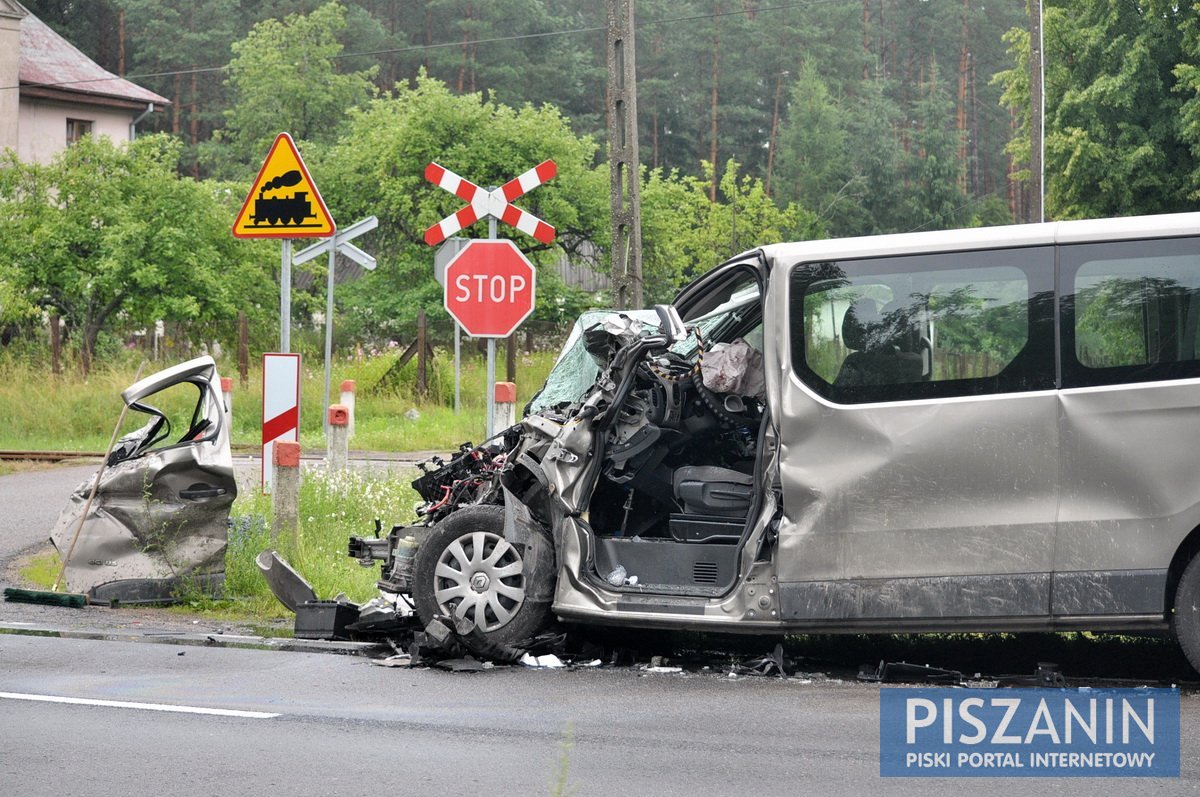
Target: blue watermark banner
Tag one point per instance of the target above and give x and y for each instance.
(1083, 733)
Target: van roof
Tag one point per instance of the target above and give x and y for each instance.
(1089, 230)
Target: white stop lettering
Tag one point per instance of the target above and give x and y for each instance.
(477, 288)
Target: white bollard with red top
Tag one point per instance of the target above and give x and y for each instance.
(348, 402)
(285, 490)
(505, 413)
(339, 440)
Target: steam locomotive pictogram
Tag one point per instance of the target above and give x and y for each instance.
(292, 209)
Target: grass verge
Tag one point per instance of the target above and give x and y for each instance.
(74, 414)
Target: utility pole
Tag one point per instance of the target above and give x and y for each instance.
(625, 178)
(1037, 113)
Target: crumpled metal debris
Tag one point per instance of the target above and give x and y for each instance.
(1046, 675)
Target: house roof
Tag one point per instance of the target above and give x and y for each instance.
(53, 68)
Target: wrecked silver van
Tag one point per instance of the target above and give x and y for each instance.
(988, 429)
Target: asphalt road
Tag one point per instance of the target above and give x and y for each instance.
(32, 502)
(342, 725)
(345, 726)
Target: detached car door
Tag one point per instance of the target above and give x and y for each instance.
(158, 523)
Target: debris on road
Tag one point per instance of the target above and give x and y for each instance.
(1047, 675)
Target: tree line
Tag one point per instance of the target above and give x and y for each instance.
(758, 122)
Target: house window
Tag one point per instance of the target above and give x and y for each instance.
(77, 129)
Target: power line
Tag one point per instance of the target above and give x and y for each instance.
(442, 45)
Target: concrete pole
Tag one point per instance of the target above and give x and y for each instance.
(339, 439)
(348, 387)
(227, 395)
(285, 492)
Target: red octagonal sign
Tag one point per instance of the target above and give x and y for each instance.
(489, 288)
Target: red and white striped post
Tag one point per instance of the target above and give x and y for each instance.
(281, 408)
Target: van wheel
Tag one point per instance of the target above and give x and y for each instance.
(1186, 621)
(467, 570)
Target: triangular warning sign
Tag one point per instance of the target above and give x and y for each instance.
(284, 201)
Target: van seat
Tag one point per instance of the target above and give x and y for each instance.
(710, 490)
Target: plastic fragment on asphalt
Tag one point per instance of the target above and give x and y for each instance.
(548, 661)
(399, 660)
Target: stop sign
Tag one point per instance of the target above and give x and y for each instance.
(489, 288)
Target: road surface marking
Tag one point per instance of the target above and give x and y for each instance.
(79, 701)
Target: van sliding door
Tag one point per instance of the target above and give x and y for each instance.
(919, 438)
(1130, 415)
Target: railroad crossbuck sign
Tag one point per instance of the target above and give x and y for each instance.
(496, 203)
(489, 288)
(284, 201)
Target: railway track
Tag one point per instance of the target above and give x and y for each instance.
(48, 456)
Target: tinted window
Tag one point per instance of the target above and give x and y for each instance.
(893, 329)
(1130, 311)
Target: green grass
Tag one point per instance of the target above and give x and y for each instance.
(40, 570)
(39, 411)
(333, 506)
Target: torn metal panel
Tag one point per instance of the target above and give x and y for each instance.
(159, 522)
(288, 586)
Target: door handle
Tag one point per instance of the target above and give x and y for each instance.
(201, 491)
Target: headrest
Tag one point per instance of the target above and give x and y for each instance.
(861, 319)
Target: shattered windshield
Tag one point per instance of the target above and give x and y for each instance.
(576, 371)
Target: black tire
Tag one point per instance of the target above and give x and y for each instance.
(481, 569)
(1186, 621)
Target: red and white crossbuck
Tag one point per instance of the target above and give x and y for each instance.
(484, 203)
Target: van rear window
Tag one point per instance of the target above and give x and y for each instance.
(1131, 311)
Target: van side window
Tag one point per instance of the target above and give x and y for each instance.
(1131, 311)
(902, 328)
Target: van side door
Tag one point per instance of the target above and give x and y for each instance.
(1130, 422)
(919, 438)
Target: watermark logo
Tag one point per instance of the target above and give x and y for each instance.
(1029, 733)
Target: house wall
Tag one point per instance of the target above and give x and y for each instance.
(43, 125)
(10, 59)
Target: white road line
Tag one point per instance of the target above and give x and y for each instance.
(79, 701)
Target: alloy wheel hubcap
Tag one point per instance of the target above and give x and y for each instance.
(480, 578)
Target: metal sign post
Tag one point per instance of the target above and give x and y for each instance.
(490, 388)
(446, 253)
(285, 297)
(340, 242)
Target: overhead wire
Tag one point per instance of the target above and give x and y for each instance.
(460, 43)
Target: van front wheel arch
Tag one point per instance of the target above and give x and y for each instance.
(467, 570)
(1186, 620)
